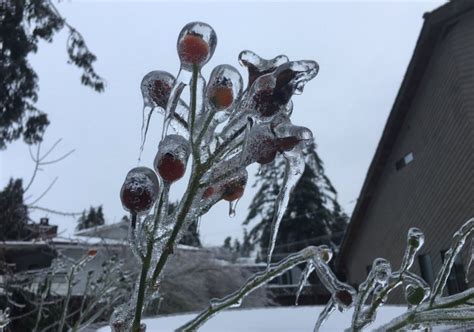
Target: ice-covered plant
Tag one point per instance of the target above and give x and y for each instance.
(223, 129)
(426, 306)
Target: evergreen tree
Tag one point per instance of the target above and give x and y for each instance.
(95, 217)
(313, 216)
(13, 212)
(227, 243)
(24, 23)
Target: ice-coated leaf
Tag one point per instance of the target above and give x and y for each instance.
(258, 66)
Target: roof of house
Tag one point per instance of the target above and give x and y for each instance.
(436, 23)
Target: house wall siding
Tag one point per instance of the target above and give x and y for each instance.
(435, 192)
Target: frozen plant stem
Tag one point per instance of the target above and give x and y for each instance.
(190, 195)
(252, 284)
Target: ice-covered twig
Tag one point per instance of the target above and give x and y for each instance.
(459, 239)
(460, 317)
(415, 239)
(252, 284)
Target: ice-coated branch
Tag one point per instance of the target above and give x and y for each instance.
(252, 284)
(381, 281)
(459, 239)
(460, 317)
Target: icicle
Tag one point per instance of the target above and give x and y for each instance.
(304, 278)
(471, 257)
(175, 94)
(232, 207)
(294, 169)
(323, 316)
(144, 131)
(198, 225)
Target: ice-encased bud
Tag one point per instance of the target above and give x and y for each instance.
(289, 135)
(258, 66)
(172, 157)
(196, 44)
(344, 297)
(156, 88)
(416, 238)
(261, 146)
(326, 253)
(271, 93)
(381, 270)
(139, 190)
(415, 294)
(224, 87)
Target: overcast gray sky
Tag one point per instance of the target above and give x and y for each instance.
(363, 49)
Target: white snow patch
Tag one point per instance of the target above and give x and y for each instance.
(294, 319)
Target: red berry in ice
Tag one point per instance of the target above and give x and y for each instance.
(170, 168)
(160, 92)
(140, 190)
(222, 97)
(233, 190)
(344, 297)
(193, 49)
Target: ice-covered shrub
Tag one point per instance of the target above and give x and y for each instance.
(223, 129)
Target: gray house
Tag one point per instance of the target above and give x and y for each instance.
(422, 174)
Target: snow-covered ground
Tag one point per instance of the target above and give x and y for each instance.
(288, 319)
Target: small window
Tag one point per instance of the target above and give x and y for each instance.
(404, 161)
(456, 282)
(426, 268)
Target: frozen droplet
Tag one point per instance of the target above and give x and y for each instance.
(232, 207)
